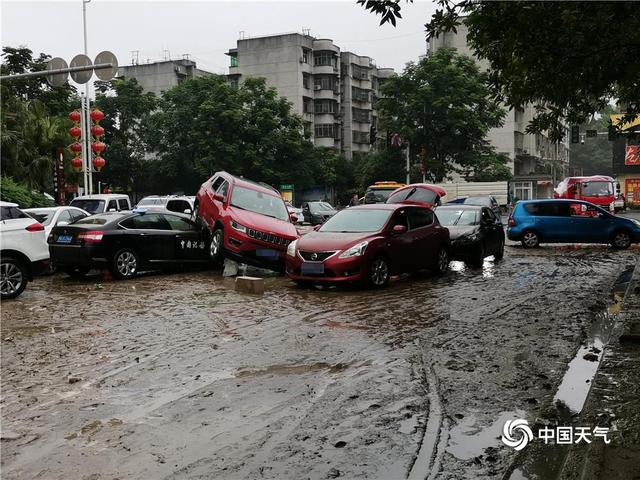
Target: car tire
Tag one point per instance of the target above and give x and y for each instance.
(621, 240)
(215, 246)
(499, 255)
(378, 273)
(14, 277)
(78, 272)
(441, 264)
(125, 264)
(530, 239)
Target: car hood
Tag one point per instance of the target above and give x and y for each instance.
(456, 232)
(263, 223)
(327, 241)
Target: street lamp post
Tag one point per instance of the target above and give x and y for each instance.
(86, 110)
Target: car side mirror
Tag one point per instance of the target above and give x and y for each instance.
(62, 223)
(219, 197)
(399, 229)
(187, 211)
(293, 217)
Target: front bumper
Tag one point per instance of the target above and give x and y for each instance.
(241, 248)
(336, 270)
(464, 250)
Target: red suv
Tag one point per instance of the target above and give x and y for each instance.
(368, 244)
(249, 221)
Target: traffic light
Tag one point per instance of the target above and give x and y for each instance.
(373, 132)
(575, 134)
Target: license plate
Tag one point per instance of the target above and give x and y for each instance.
(64, 238)
(267, 252)
(312, 268)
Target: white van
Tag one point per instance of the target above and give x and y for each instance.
(108, 202)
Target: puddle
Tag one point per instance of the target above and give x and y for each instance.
(468, 439)
(292, 369)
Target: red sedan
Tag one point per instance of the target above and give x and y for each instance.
(368, 244)
(423, 194)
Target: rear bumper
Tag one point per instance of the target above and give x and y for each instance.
(38, 267)
(78, 256)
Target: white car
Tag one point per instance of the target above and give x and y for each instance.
(168, 204)
(23, 250)
(108, 202)
(296, 211)
(54, 216)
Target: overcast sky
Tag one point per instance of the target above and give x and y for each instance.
(206, 29)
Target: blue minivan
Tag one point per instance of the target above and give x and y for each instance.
(533, 222)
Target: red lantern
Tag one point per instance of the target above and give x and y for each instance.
(75, 116)
(76, 147)
(75, 132)
(99, 163)
(76, 164)
(97, 115)
(98, 147)
(97, 131)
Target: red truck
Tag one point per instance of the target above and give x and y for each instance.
(597, 189)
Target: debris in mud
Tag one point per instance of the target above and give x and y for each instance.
(340, 444)
(74, 379)
(591, 357)
(8, 435)
(333, 473)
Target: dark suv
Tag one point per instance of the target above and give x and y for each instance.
(249, 221)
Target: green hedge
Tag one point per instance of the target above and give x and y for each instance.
(10, 191)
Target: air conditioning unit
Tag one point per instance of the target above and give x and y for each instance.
(301, 60)
(317, 87)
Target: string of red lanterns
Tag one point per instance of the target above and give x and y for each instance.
(75, 147)
(97, 146)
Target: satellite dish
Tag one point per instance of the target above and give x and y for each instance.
(81, 60)
(106, 73)
(57, 79)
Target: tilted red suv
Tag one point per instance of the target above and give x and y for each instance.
(249, 221)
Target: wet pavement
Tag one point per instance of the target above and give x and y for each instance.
(179, 376)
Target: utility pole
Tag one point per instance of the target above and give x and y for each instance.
(86, 143)
(408, 166)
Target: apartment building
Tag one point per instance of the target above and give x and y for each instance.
(537, 163)
(159, 76)
(334, 91)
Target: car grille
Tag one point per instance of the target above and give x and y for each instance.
(267, 237)
(316, 256)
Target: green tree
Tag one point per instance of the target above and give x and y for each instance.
(382, 165)
(126, 108)
(442, 105)
(204, 125)
(568, 58)
(594, 157)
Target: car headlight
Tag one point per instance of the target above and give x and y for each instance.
(291, 248)
(236, 226)
(355, 251)
(472, 237)
(637, 223)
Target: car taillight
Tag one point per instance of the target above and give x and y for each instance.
(94, 236)
(50, 238)
(512, 222)
(35, 227)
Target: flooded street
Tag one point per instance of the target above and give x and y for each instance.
(180, 376)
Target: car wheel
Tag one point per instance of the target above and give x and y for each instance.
(215, 247)
(13, 277)
(125, 264)
(79, 272)
(621, 240)
(442, 262)
(378, 273)
(530, 239)
(499, 255)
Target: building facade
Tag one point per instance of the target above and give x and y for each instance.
(537, 163)
(333, 91)
(626, 159)
(159, 76)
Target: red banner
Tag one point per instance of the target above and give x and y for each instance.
(632, 155)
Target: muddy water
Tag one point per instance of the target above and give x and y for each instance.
(179, 376)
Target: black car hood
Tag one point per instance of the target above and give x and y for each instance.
(456, 232)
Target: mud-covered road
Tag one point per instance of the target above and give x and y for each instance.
(179, 376)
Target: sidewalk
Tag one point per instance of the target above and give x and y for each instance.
(614, 402)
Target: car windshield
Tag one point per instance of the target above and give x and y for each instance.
(91, 206)
(259, 202)
(149, 202)
(320, 207)
(413, 194)
(480, 201)
(597, 189)
(378, 195)
(356, 220)
(42, 216)
(453, 216)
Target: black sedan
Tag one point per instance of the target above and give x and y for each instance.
(475, 232)
(316, 213)
(126, 243)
